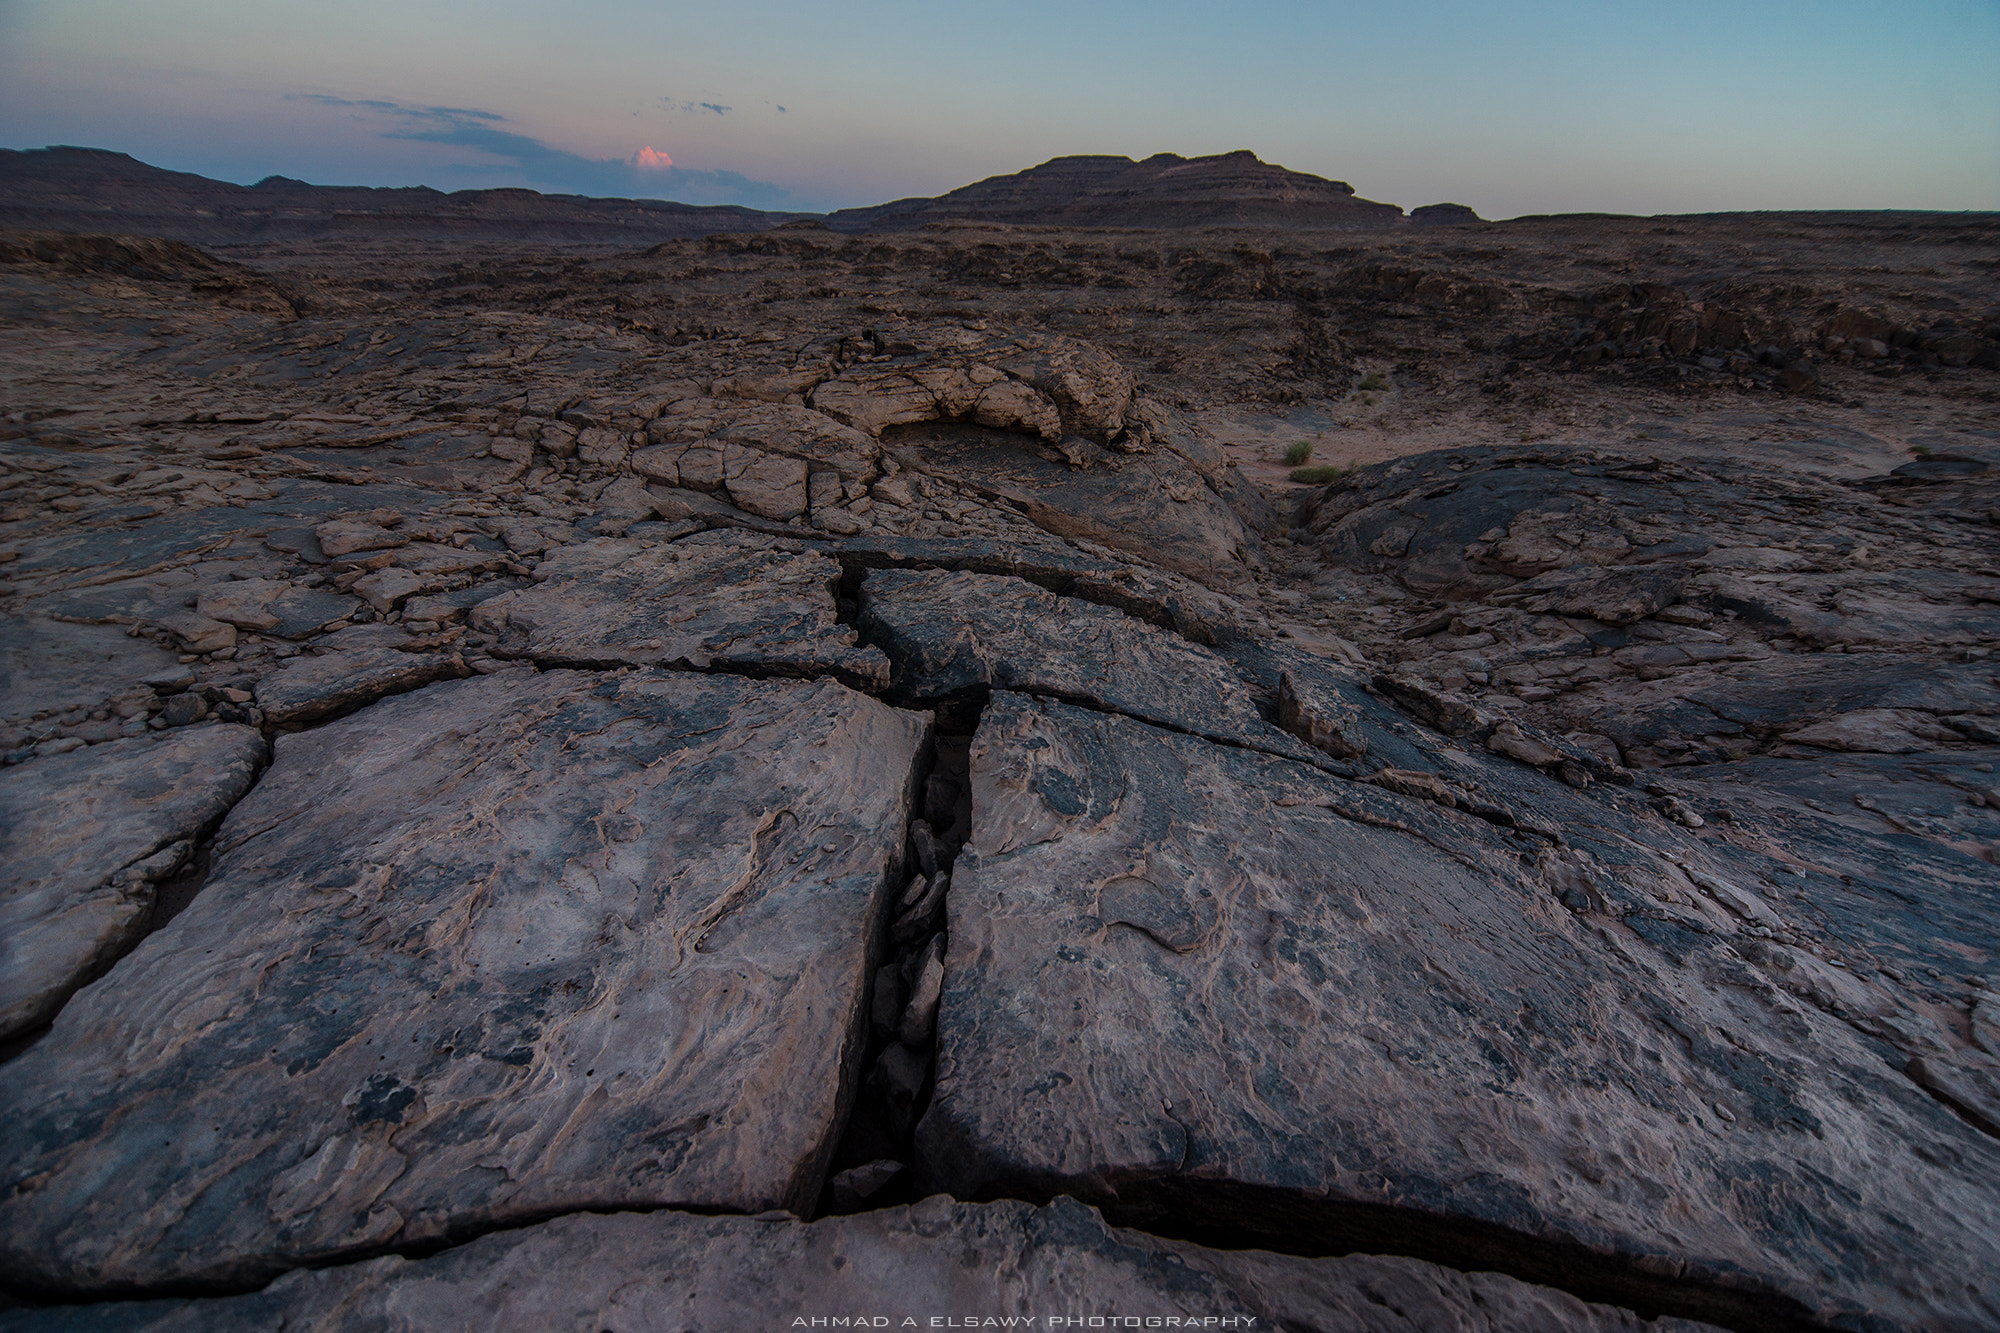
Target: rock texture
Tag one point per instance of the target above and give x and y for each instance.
(84, 838)
(964, 635)
(938, 1260)
(735, 603)
(1191, 981)
(504, 948)
(1558, 838)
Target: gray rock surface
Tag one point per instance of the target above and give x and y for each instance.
(936, 1260)
(84, 838)
(498, 949)
(732, 602)
(1192, 980)
(960, 634)
(1663, 705)
(308, 688)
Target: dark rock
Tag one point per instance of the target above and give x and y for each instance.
(953, 634)
(183, 709)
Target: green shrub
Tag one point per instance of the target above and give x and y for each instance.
(1375, 381)
(1300, 451)
(1315, 476)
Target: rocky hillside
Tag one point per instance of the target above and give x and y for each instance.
(787, 777)
(1165, 190)
(90, 189)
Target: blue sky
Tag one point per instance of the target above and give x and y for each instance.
(1611, 106)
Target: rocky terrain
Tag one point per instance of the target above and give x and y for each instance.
(793, 775)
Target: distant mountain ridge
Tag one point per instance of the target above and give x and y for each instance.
(96, 190)
(1164, 191)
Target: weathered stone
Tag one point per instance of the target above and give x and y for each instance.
(346, 536)
(770, 485)
(1615, 596)
(1154, 506)
(1880, 730)
(183, 710)
(385, 589)
(308, 688)
(896, 1267)
(1185, 976)
(197, 633)
(274, 606)
(510, 946)
(729, 602)
(80, 842)
(1320, 718)
(48, 664)
(626, 498)
(959, 635)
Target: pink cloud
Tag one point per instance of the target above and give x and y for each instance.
(649, 160)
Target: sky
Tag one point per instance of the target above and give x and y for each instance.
(1606, 106)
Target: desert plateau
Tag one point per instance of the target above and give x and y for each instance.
(1143, 739)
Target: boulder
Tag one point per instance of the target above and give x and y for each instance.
(723, 601)
(906, 1267)
(507, 947)
(1193, 980)
(85, 837)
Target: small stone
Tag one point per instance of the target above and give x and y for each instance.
(919, 1023)
(183, 709)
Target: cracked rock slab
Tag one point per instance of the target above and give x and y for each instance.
(998, 1261)
(507, 947)
(84, 837)
(727, 602)
(309, 688)
(1194, 981)
(951, 633)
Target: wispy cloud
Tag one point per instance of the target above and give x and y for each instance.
(712, 108)
(648, 173)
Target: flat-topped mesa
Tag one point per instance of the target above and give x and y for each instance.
(1165, 190)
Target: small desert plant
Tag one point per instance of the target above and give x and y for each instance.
(1298, 452)
(1375, 381)
(1315, 476)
